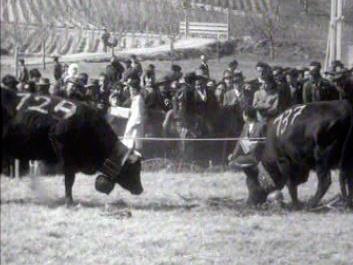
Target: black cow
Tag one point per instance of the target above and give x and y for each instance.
(53, 129)
(304, 138)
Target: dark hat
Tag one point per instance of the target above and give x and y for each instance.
(337, 63)
(151, 66)
(233, 63)
(35, 73)
(190, 78)
(176, 68)
(262, 65)
(21, 60)
(9, 81)
(315, 64)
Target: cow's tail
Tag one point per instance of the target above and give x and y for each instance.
(346, 164)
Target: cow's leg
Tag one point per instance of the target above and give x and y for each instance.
(293, 192)
(69, 182)
(346, 179)
(343, 187)
(324, 182)
(350, 190)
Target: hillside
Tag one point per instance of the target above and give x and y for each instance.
(75, 26)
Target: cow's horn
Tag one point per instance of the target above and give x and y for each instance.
(127, 155)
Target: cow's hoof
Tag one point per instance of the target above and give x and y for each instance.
(69, 203)
(297, 206)
(312, 203)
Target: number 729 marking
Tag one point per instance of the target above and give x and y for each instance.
(66, 107)
(287, 118)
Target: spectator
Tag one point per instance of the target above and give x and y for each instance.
(105, 38)
(43, 86)
(10, 82)
(72, 72)
(24, 75)
(238, 95)
(114, 71)
(282, 87)
(92, 91)
(204, 67)
(135, 114)
(233, 66)
(58, 69)
(295, 87)
(103, 92)
(174, 75)
(317, 88)
(65, 73)
(244, 154)
(73, 89)
(266, 100)
(34, 78)
(200, 95)
(135, 63)
(131, 72)
(149, 78)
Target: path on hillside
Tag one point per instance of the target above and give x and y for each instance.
(179, 45)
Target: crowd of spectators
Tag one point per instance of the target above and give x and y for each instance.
(193, 93)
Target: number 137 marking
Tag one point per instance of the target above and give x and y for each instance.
(287, 118)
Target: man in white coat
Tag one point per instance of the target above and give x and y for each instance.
(135, 115)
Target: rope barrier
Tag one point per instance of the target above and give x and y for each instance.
(163, 139)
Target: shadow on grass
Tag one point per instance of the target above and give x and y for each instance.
(238, 207)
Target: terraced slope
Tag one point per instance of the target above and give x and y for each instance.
(68, 25)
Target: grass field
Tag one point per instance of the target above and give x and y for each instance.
(179, 219)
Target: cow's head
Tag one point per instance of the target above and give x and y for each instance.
(123, 166)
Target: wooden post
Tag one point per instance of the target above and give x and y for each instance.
(171, 50)
(339, 30)
(44, 50)
(228, 23)
(332, 54)
(16, 59)
(186, 23)
(218, 50)
(44, 42)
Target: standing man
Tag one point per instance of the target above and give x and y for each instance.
(135, 115)
(317, 88)
(24, 75)
(204, 67)
(58, 70)
(105, 38)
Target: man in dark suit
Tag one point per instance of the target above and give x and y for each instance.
(58, 69)
(244, 154)
(204, 67)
